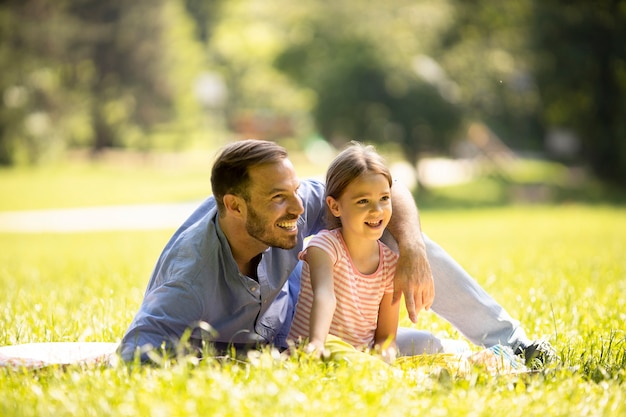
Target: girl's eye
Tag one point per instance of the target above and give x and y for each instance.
(364, 201)
(385, 198)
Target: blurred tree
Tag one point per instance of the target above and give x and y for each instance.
(125, 44)
(33, 54)
(486, 51)
(581, 72)
(205, 14)
(262, 102)
(358, 98)
(529, 67)
(115, 73)
(362, 90)
(97, 74)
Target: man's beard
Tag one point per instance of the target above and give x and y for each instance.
(260, 229)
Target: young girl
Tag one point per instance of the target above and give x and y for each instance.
(347, 276)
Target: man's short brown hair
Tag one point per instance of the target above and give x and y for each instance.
(230, 173)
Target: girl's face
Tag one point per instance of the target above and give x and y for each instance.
(364, 207)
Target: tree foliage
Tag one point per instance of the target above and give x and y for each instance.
(485, 50)
(363, 91)
(91, 73)
(85, 73)
(357, 98)
(127, 80)
(32, 64)
(580, 57)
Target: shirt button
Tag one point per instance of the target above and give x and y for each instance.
(254, 288)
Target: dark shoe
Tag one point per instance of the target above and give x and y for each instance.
(538, 354)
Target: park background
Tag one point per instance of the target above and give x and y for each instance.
(507, 119)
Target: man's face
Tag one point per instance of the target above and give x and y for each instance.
(274, 206)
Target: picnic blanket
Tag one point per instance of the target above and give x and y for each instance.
(40, 355)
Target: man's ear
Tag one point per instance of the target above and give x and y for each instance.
(234, 205)
(333, 205)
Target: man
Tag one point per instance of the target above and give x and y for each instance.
(233, 266)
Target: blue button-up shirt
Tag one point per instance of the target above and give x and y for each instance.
(196, 280)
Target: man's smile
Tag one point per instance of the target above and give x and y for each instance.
(289, 225)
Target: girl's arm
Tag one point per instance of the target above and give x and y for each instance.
(324, 301)
(385, 337)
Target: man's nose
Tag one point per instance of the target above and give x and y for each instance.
(296, 206)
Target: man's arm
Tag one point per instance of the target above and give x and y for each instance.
(413, 275)
(164, 316)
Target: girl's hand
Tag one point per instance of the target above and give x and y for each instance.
(316, 349)
(389, 355)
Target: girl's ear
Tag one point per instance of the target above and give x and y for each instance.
(333, 205)
(234, 205)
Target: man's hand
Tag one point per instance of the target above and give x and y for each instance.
(413, 275)
(415, 279)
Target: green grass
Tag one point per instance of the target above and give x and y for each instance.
(116, 179)
(524, 182)
(559, 270)
(82, 184)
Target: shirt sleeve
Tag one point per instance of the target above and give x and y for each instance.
(165, 314)
(313, 195)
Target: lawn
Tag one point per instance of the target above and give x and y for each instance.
(559, 269)
(83, 184)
